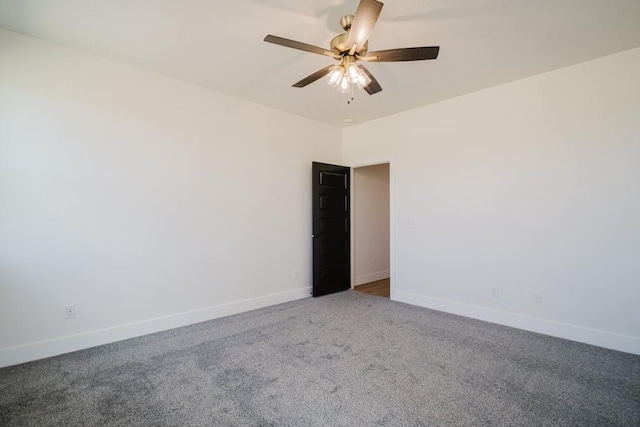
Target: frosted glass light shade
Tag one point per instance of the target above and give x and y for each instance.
(353, 73)
(335, 76)
(363, 79)
(344, 85)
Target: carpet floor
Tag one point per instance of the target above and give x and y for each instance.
(347, 359)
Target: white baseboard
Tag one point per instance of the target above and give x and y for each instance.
(366, 278)
(628, 344)
(56, 346)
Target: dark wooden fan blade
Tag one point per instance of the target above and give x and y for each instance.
(404, 54)
(298, 45)
(373, 87)
(363, 22)
(315, 76)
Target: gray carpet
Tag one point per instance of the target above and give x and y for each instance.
(347, 359)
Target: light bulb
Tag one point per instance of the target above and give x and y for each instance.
(344, 85)
(335, 76)
(353, 73)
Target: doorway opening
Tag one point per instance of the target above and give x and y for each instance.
(371, 233)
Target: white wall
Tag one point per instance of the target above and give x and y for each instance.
(147, 202)
(530, 187)
(371, 223)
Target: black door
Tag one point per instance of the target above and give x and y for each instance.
(331, 229)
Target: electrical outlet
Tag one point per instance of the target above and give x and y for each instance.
(494, 292)
(295, 274)
(375, 261)
(537, 298)
(69, 311)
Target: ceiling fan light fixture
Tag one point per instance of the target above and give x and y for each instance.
(344, 86)
(335, 76)
(352, 46)
(353, 73)
(363, 79)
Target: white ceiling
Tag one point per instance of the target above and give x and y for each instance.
(218, 44)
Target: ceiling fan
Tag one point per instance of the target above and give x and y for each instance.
(351, 47)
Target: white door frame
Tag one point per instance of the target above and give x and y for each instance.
(392, 215)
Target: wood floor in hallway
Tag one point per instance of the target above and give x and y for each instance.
(379, 288)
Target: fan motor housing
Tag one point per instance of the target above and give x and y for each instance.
(339, 45)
